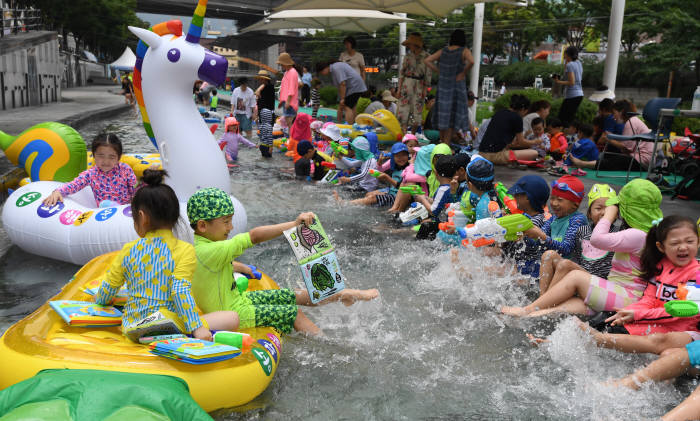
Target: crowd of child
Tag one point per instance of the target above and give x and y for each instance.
(618, 262)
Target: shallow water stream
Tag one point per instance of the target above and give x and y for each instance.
(433, 346)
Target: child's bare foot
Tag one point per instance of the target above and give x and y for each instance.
(597, 336)
(336, 196)
(454, 256)
(514, 311)
(629, 382)
(350, 296)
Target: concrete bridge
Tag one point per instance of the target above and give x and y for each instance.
(243, 12)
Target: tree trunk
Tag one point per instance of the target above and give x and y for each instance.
(670, 84)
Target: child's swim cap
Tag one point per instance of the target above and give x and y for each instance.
(408, 137)
(639, 202)
(207, 204)
(598, 191)
(230, 121)
(480, 169)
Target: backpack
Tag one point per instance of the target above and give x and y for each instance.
(689, 187)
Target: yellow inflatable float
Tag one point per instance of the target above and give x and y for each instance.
(381, 122)
(43, 341)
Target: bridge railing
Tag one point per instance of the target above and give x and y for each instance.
(15, 21)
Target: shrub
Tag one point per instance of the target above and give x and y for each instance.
(329, 95)
(503, 101)
(586, 111)
(680, 123)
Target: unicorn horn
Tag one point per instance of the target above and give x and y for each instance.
(195, 30)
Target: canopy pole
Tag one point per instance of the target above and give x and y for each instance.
(476, 52)
(402, 38)
(617, 15)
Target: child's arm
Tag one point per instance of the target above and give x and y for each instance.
(181, 293)
(627, 241)
(79, 183)
(247, 142)
(364, 171)
(131, 181)
(566, 246)
(242, 268)
(268, 232)
(113, 279)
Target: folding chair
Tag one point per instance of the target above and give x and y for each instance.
(660, 131)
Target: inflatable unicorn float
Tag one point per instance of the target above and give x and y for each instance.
(167, 65)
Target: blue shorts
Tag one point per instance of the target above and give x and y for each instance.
(693, 349)
(245, 122)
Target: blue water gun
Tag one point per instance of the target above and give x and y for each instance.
(240, 280)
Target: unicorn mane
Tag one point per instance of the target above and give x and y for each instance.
(173, 27)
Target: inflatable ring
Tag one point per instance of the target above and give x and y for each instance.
(42, 341)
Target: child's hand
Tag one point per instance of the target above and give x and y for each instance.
(382, 159)
(454, 184)
(306, 218)
(611, 213)
(54, 197)
(535, 233)
(621, 317)
(343, 180)
(242, 268)
(385, 177)
(202, 333)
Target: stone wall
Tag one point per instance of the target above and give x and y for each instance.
(30, 70)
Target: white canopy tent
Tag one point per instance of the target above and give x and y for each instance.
(354, 20)
(126, 61)
(416, 7)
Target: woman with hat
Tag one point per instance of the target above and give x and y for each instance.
(266, 105)
(451, 106)
(289, 89)
(579, 292)
(414, 81)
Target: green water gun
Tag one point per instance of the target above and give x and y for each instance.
(507, 200)
(235, 339)
(514, 224)
(413, 189)
(338, 149)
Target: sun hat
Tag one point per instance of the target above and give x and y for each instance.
(263, 74)
(480, 169)
(387, 96)
(598, 191)
(639, 202)
(568, 187)
(230, 121)
(423, 158)
(303, 147)
(415, 39)
(332, 131)
(207, 204)
(535, 188)
(409, 136)
(361, 147)
(285, 59)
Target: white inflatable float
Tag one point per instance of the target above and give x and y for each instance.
(167, 66)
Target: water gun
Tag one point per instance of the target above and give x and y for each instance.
(241, 280)
(241, 341)
(414, 214)
(507, 200)
(489, 230)
(375, 173)
(413, 189)
(687, 303)
(329, 165)
(338, 148)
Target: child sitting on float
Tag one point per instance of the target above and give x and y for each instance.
(158, 268)
(111, 181)
(359, 149)
(232, 138)
(391, 175)
(585, 256)
(210, 212)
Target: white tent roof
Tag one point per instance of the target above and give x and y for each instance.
(342, 19)
(126, 61)
(417, 7)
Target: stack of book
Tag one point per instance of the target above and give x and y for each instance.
(86, 314)
(193, 351)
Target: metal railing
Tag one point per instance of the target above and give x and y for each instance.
(15, 21)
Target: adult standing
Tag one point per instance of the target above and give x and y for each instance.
(266, 105)
(289, 88)
(306, 86)
(354, 59)
(505, 133)
(244, 106)
(573, 93)
(414, 82)
(451, 106)
(349, 83)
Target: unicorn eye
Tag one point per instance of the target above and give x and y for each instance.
(174, 55)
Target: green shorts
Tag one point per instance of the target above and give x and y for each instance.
(274, 307)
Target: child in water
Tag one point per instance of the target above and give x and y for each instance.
(210, 212)
(359, 149)
(232, 138)
(109, 179)
(158, 268)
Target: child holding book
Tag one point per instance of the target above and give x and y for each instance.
(109, 179)
(158, 268)
(210, 212)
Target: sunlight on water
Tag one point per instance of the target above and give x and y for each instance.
(432, 347)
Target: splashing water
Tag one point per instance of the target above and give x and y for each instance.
(432, 347)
